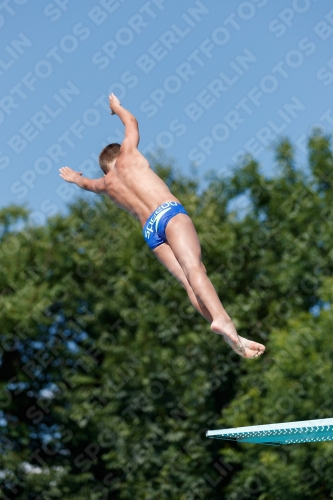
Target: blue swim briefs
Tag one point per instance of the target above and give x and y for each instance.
(154, 229)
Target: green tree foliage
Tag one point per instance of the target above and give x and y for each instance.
(294, 384)
(108, 377)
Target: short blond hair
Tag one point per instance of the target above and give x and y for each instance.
(107, 155)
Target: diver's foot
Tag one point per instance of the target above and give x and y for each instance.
(247, 348)
(244, 347)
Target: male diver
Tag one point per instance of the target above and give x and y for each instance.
(168, 230)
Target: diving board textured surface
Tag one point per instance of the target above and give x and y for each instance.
(307, 431)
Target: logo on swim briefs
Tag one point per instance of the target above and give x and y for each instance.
(155, 218)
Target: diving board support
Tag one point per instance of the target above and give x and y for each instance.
(305, 431)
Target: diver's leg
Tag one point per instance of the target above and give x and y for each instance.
(184, 243)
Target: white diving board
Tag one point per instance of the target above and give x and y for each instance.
(306, 431)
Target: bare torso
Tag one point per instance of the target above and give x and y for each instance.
(133, 186)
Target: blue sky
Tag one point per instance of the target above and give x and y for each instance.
(208, 82)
